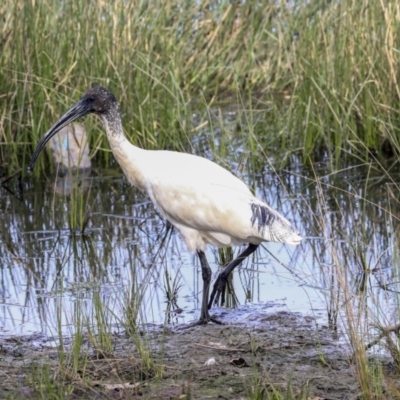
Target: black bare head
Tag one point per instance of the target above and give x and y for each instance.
(97, 100)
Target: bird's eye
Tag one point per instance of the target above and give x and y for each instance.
(91, 98)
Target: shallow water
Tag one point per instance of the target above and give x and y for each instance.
(54, 280)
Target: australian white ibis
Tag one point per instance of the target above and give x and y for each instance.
(205, 202)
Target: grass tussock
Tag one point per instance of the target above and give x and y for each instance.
(358, 274)
(329, 69)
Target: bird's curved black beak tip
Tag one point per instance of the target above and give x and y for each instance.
(77, 111)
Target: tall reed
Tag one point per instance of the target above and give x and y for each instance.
(329, 69)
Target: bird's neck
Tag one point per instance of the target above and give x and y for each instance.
(130, 158)
(113, 125)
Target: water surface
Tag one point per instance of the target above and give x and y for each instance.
(127, 263)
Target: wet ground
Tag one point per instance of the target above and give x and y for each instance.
(268, 352)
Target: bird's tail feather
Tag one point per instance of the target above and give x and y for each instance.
(272, 226)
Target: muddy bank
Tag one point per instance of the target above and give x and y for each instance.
(280, 351)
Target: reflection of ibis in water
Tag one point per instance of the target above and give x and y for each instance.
(205, 202)
(70, 149)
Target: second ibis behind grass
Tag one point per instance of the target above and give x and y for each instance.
(205, 202)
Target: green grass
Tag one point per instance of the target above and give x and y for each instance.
(323, 75)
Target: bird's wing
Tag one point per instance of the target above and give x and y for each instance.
(199, 194)
(217, 208)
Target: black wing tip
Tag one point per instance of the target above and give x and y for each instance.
(262, 216)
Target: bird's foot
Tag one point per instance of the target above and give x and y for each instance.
(218, 291)
(204, 319)
(201, 321)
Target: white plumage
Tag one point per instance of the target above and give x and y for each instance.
(205, 202)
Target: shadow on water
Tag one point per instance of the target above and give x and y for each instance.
(66, 250)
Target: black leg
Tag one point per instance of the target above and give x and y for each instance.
(220, 284)
(206, 275)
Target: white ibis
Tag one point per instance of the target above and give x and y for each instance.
(205, 202)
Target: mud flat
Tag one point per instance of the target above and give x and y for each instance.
(262, 356)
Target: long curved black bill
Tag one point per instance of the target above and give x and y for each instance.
(77, 111)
